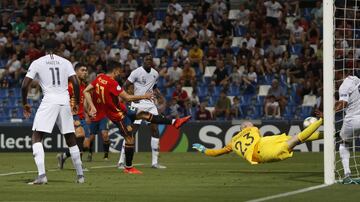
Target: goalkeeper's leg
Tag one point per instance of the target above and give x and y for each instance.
(305, 134)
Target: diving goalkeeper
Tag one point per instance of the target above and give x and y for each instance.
(256, 149)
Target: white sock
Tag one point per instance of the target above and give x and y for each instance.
(345, 156)
(39, 157)
(75, 157)
(155, 150)
(122, 154)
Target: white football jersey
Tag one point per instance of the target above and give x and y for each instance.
(143, 81)
(349, 92)
(53, 73)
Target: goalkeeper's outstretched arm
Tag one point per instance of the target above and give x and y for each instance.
(212, 152)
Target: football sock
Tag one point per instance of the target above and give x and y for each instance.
(106, 146)
(122, 153)
(345, 156)
(129, 154)
(303, 135)
(159, 119)
(80, 143)
(75, 157)
(155, 150)
(39, 157)
(315, 136)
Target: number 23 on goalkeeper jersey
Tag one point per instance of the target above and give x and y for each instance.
(244, 143)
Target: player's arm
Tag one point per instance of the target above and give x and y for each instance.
(212, 152)
(127, 84)
(88, 100)
(129, 98)
(24, 92)
(339, 105)
(76, 88)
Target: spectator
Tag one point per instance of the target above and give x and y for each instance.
(173, 109)
(212, 55)
(144, 46)
(99, 17)
(203, 113)
(173, 44)
(221, 74)
(152, 27)
(222, 107)
(204, 35)
(175, 6)
(196, 55)
(187, 17)
(250, 41)
(297, 34)
(234, 109)
(250, 81)
(243, 16)
(271, 107)
(194, 99)
(278, 93)
(173, 74)
(188, 74)
(275, 48)
(180, 54)
(180, 95)
(273, 12)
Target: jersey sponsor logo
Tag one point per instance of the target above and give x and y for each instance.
(102, 81)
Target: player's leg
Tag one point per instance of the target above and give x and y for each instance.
(160, 119)
(65, 123)
(346, 135)
(121, 162)
(44, 122)
(155, 139)
(105, 136)
(89, 142)
(303, 135)
(80, 135)
(127, 132)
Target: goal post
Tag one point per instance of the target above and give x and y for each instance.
(328, 82)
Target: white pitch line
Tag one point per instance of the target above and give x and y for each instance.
(289, 193)
(55, 170)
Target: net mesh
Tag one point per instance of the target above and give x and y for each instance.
(346, 58)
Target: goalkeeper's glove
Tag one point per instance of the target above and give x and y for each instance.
(201, 148)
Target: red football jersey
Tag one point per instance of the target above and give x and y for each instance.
(72, 98)
(107, 91)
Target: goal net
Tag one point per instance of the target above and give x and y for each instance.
(346, 53)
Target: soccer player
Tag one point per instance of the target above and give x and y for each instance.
(53, 73)
(144, 79)
(249, 145)
(81, 127)
(108, 91)
(349, 99)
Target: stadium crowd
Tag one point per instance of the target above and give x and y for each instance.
(216, 60)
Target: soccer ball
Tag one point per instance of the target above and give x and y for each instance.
(308, 121)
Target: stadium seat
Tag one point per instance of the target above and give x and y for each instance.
(306, 111)
(4, 93)
(296, 49)
(231, 99)
(309, 100)
(156, 61)
(162, 43)
(357, 34)
(240, 31)
(236, 42)
(133, 43)
(263, 90)
(137, 33)
(233, 14)
(235, 50)
(209, 71)
(188, 90)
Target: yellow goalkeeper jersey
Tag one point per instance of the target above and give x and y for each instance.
(244, 143)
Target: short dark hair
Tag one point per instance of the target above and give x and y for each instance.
(113, 65)
(78, 65)
(51, 44)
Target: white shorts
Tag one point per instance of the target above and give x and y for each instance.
(49, 114)
(350, 128)
(145, 107)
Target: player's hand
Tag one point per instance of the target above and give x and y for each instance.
(201, 148)
(74, 109)
(92, 112)
(149, 96)
(27, 111)
(319, 113)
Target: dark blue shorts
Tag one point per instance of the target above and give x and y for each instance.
(83, 124)
(130, 115)
(97, 126)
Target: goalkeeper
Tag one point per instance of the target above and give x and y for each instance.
(256, 149)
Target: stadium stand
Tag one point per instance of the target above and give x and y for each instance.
(283, 44)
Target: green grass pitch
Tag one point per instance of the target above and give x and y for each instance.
(189, 177)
